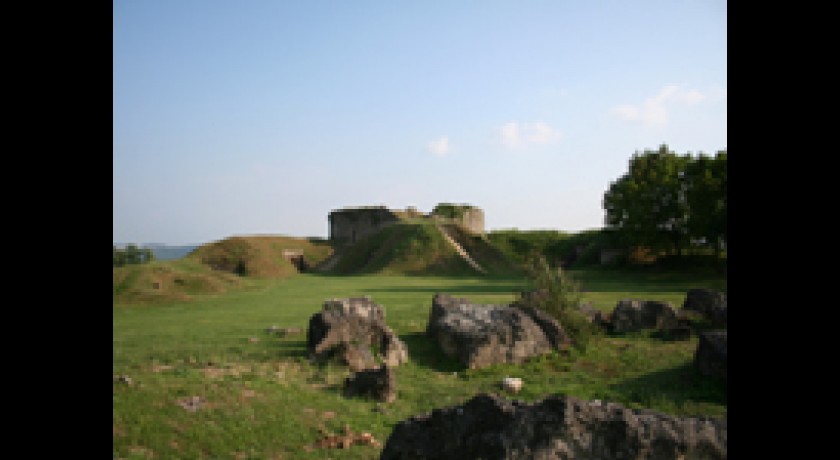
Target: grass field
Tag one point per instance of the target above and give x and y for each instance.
(255, 395)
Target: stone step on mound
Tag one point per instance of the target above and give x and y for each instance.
(491, 427)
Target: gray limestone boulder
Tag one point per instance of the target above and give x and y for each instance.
(559, 427)
(353, 331)
(710, 356)
(632, 315)
(710, 304)
(481, 335)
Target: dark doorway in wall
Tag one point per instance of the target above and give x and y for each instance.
(295, 257)
(300, 263)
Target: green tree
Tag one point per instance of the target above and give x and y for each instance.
(647, 205)
(119, 257)
(705, 179)
(147, 255)
(132, 255)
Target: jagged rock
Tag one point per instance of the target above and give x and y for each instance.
(557, 428)
(595, 316)
(708, 303)
(710, 356)
(552, 329)
(482, 335)
(632, 315)
(379, 384)
(352, 331)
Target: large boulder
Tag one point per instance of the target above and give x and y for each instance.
(632, 315)
(710, 355)
(710, 304)
(481, 335)
(491, 427)
(353, 331)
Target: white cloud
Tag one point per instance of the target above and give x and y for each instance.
(440, 147)
(655, 111)
(515, 135)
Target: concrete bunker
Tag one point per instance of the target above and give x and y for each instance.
(295, 256)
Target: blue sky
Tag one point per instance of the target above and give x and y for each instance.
(260, 117)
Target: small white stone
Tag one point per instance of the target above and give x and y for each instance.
(513, 384)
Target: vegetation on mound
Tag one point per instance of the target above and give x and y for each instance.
(486, 254)
(411, 248)
(161, 282)
(232, 263)
(259, 256)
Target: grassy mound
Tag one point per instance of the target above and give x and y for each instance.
(416, 247)
(259, 256)
(169, 281)
(493, 260)
(213, 269)
(410, 248)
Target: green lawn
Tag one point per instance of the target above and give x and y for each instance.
(261, 398)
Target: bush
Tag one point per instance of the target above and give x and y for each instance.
(558, 295)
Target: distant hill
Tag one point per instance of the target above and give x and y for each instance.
(163, 251)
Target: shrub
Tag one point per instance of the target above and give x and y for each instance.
(558, 295)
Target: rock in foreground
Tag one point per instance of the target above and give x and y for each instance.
(557, 428)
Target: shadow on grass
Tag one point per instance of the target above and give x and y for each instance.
(425, 352)
(464, 289)
(290, 348)
(677, 385)
(653, 282)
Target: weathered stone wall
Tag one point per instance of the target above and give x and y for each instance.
(352, 224)
(473, 220)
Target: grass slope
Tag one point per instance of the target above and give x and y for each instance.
(416, 247)
(410, 248)
(483, 251)
(261, 398)
(232, 263)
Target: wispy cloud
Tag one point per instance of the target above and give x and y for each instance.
(517, 136)
(440, 147)
(655, 111)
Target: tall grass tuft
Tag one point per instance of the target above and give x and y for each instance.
(559, 295)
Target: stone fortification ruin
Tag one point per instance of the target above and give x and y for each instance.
(349, 225)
